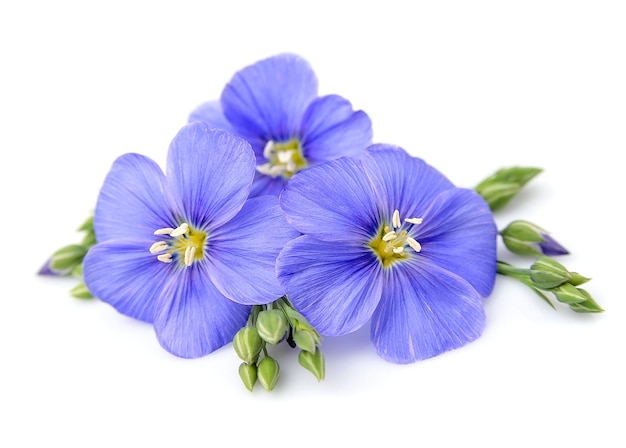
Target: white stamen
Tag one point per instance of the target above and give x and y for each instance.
(277, 170)
(180, 230)
(190, 252)
(417, 247)
(398, 250)
(164, 231)
(159, 246)
(165, 258)
(264, 168)
(268, 150)
(414, 220)
(284, 156)
(389, 236)
(291, 166)
(396, 219)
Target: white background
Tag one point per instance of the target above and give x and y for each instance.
(470, 86)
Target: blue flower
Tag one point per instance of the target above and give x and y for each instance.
(187, 251)
(387, 239)
(274, 105)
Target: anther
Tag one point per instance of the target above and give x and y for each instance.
(180, 230)
(417, 247)
(190, 252)
(396, 219)
(389, 236)
(414, 220)
(164, 231)
(165, 258)
(269, 149)
(159, 246)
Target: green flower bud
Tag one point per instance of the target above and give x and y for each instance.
(268, 372)
(587, 306)
(569, 294)
(547, 273)
(499, 188)
(305, 339)
(313, 362)
(248, 344)
(80, 291)
(578, 279)
(67, 258)
(248, 374)
(272, 326)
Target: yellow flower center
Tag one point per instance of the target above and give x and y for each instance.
(283, 159)
(390, 242)
(185, 243)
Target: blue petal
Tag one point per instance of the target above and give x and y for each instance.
(335, 287)
(267, 185)
(333, 202)
(551, 247)
(211, 113)
(332, 129)
(133, 201)
(127, 276)
(193, 318)
(423, 313)
(211, 171)
(459, 234)
(269, 98)
(402, 182)
(242, 253)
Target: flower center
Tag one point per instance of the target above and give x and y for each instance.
(185, 243)
(390, 243)
(283, 159)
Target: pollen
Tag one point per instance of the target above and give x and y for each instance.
(283, 159)
(182, 243)
(390, 243)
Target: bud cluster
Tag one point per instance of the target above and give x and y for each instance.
(272, 324)
(548, 275)
(68, 260)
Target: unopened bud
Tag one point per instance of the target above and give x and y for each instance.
(306, 340)
(313, 362)
(268, 372)
(66, 258)
(499, 188)
(525, 238)
(247, 344)
(588, 305)
(248, 374)
(80, 291)
(569, 294)
(547, 273)
(272, 326)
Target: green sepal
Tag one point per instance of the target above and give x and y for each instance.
(306, 340)
(248, 344)
(271, 325)
(64, 260)
(588, 305)
(522, 237)
(577, 279)
(569, 294)
(502, 186)
(80, 291)
(248, 374)
(268, 372)
(546, 273)
(313, 362)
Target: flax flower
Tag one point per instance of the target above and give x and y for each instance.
(274, 104)
(387, 239)
(185, 250)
